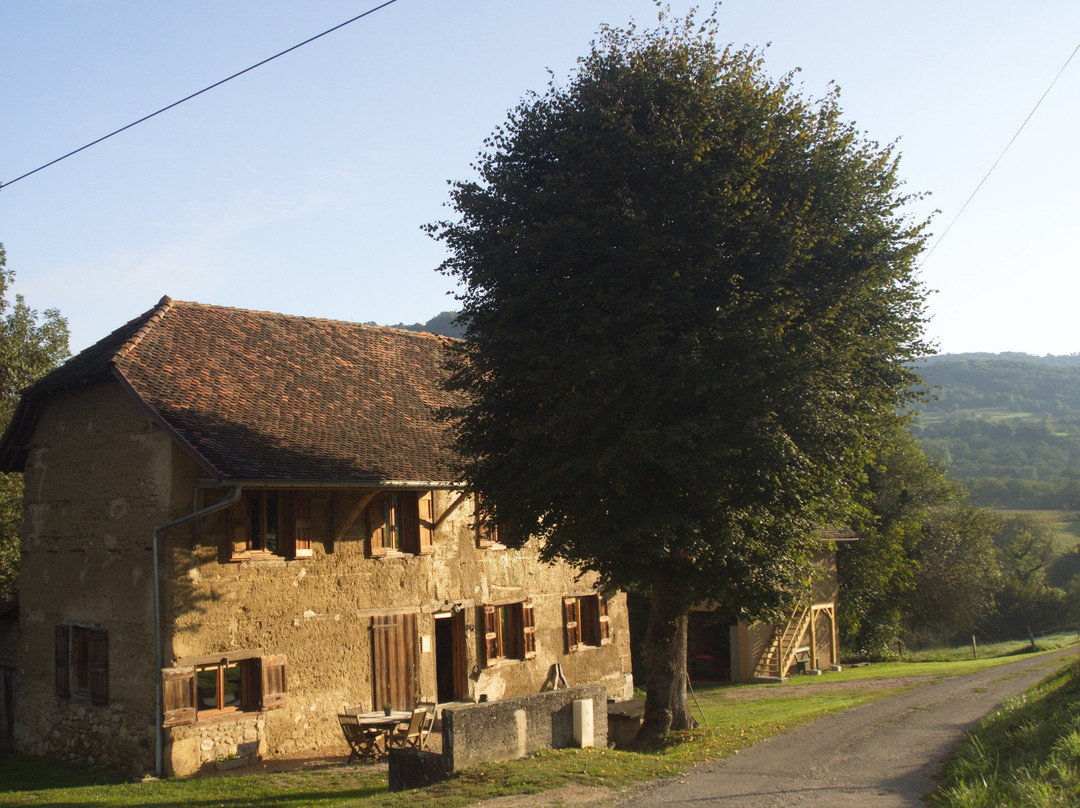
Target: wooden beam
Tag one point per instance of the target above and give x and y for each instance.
(453, 506)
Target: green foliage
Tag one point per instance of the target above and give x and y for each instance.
(30, 346)
(689, 307)
(956, 575)
(924, 565)
(1027, 601)
(1027, 753)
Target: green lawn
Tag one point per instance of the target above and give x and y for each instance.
(735, 717)
(1024, 755)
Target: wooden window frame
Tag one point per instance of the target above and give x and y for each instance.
(487, 532)
(249, 520)
(401, 522)
(262, 687)
(248, 694)
(585, 622)
(509, 632)
(81, 663)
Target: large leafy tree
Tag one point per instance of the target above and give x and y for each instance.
(904, 489)
(31, 344)
(689, 307)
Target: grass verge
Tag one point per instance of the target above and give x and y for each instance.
(735, 717)
(1024, 755)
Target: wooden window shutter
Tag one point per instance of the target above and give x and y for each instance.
(376, 523)
(178, 696)
(491, 637)
(570, 623)
(273, 682)
(99, 667)
(240, 526)
(60, 662)
(605, 625)
(528, 631)
(425, 505)
(301, 516)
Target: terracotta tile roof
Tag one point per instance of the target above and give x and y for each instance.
(262, 396)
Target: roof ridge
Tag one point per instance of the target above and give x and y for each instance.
(310, 318)
(164, 306)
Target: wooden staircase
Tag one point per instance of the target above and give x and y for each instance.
(779, 656)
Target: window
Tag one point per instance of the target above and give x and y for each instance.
(221, 687)
(270, 522)
(509, 632)
(239, 682)
(585, 621)
(81, 663)
(487, 532)
(401, 522)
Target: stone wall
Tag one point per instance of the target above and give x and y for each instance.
(318, 611)
(515, 727)
(97, 481)
(101, 476)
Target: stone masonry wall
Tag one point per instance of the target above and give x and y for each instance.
(86, 561)
(101, 475)
(317, 611)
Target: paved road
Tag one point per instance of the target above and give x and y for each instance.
(881, 755)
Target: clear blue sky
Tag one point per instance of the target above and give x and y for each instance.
(301, 187)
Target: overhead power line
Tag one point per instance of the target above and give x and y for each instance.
(200, 92)
(998, 160)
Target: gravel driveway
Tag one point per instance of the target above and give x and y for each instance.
(881, 755)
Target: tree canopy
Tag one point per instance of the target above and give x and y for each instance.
(690, 308)
(31, 344)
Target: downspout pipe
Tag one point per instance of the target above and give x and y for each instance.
(159, 642)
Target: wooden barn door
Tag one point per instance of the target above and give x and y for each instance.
(393, 642)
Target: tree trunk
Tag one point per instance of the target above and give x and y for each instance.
(666, 708)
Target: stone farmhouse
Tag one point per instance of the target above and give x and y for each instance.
(238, 523)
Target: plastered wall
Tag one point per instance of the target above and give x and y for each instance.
(317, 611)
(101, 476)
(97, 481)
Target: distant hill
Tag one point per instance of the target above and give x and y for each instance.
(1007, 425)
(443, 323)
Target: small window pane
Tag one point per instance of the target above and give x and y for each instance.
(393, 521)
(272, 521)
(232, 688)
(255, 510)
(206, 688)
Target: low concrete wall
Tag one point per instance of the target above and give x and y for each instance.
(512, 728)
(414, 768)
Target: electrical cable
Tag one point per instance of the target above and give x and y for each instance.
(200, 92)
(1000, 156)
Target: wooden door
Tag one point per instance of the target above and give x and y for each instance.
(450, 661)
(394, 660)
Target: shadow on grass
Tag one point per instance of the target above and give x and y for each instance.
(37, 774)
(50, 784)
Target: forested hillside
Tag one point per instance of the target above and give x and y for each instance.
(1007, 425)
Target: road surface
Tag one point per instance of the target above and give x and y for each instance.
(881, 755)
